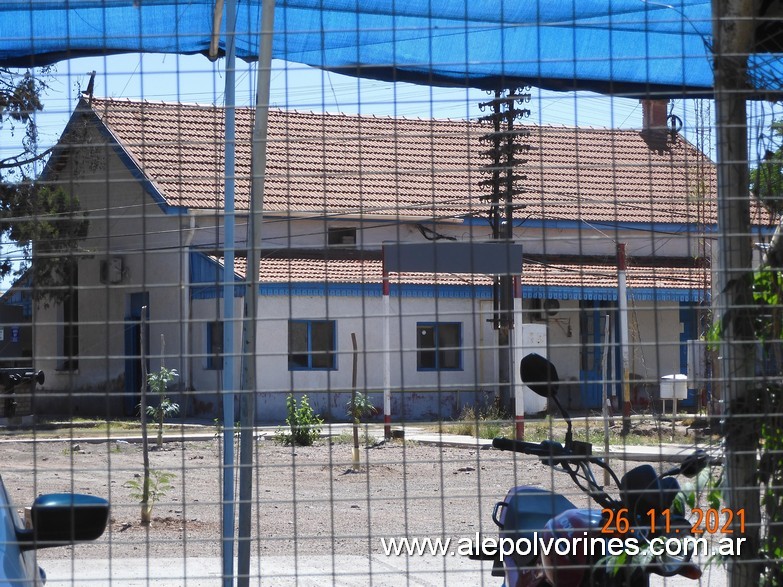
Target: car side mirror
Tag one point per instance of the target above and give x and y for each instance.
(59, 519)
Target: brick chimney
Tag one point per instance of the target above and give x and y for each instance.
(654, 113)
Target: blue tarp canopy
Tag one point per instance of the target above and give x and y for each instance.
(631, 47)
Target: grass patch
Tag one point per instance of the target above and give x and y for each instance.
(491, 423)
(85, 427)
(488, 422)
(346, 437)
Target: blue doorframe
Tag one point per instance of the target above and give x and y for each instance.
(689, 332)
(136, 301)
(592, 317)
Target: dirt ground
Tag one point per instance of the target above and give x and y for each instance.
(306, 499)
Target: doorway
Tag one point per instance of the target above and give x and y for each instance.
(592, 339)
(135, 302)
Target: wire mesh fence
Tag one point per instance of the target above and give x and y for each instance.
(279, 333)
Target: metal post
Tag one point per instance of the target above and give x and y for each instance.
(386, 353)
(250, 323)
(622, 305)
(516, 334)
(228, 295)
(605, 392)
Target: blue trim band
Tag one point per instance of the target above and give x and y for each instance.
(455, 292)
(659, 294)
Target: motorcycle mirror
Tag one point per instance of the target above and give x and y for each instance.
(539, 374)
(694, 463)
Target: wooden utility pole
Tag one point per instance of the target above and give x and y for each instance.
(507, 151)
(356, 452)
(146, 509)
(732, 43)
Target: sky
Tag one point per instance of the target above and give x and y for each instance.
(194, 79)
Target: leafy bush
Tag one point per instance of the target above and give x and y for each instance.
(303, 423)
(158, 382)
(360, 406)
(157, 485)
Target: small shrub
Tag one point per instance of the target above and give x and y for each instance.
(360, 406)
(303, 423)
(158, 382)
(346, 437)
(158, 484)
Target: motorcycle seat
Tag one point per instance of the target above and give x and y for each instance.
(525, 511)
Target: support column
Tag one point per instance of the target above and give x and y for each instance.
(622, 305)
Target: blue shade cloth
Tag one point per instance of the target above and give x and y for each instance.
(632, 47)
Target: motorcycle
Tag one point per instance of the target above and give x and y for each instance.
(544, 539)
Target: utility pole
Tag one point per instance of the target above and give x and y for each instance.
(507, 149)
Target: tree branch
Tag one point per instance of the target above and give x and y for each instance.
(14, 161)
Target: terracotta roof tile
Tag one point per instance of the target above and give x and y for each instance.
(337, 164)
(298, 270)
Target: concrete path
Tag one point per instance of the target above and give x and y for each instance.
(416, 433)
(304, 571)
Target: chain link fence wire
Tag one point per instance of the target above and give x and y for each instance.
(417, 242)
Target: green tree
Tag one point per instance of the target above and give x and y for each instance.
(45, 223)
(20, 101)
(766, 184)
(766, 180)
(158, 382)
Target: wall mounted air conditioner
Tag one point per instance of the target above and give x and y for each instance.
(112, 270)
(541, 308)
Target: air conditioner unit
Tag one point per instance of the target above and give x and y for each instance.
(541, 308)
(112, 270)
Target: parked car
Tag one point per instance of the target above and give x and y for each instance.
(56, 519)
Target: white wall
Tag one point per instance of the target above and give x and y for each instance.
(126, 223)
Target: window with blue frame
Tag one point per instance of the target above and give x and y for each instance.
(311, 344)
(439, 346)
(214, 346)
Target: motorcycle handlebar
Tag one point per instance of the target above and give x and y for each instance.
(544, 449)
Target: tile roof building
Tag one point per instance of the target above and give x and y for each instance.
(337, 187)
